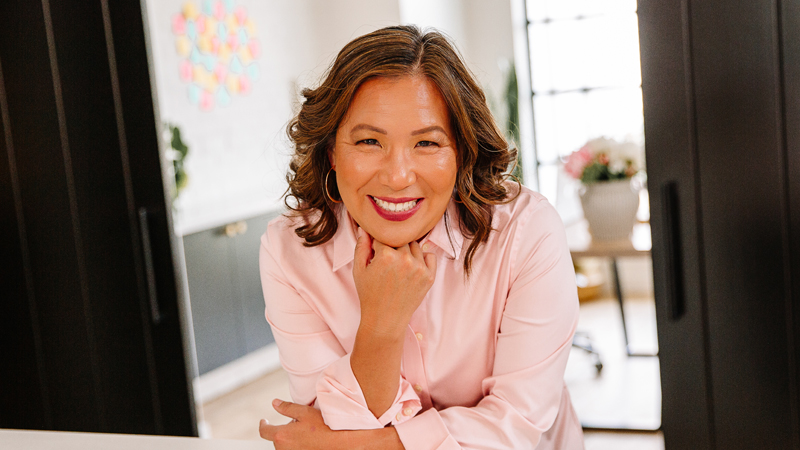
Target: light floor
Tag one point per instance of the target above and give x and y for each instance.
(625, 388)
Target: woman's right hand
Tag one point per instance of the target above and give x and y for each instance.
(391, 283)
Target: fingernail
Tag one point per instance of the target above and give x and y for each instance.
(276, 403)
(264, 422)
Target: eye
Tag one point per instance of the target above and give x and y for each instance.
(427, 143)
(368, 142)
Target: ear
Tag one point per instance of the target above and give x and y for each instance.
(332, 156)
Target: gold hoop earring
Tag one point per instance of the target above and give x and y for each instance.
(326, 187)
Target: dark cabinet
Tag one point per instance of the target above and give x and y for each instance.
(225, 291)
(721, 87)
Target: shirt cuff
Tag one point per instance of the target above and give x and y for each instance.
(343, 406)
(426, 432)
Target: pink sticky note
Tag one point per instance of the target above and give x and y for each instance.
(178, 24)
(219, 11)
(241, 15)
(233, 41)
(201, 24)
(206, 101)
(244, 84)
(255, 48)
(215, 45)
(186, 70)
(221, 72)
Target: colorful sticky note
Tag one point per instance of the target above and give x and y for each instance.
(229, 5)
(191, 29)
(251, 27)
(219, 11)
(178, 24)
(184, 46)
(244, 84)
(242, 36)
(190, 10)
(241, 14)
(208, 7)
(186, 71)
(223, 98)
(194, 94)
(253, 72)
(236, 65)
(232, 83)
(255, 47)
(221, 72)
(206, 101)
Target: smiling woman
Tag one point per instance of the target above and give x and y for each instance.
(418, 300)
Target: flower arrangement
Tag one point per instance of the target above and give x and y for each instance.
(603, 159)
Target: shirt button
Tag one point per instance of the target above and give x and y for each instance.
(418, 388)
(419, 336)
(408, 412)
(426, 246)
(399, 417)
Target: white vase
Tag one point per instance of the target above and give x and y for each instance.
(610, 208)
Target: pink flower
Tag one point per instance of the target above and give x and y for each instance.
(577, 161)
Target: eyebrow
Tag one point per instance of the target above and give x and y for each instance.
(363, 126)
(428, 129)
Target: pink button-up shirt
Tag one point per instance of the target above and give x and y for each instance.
(484, 357)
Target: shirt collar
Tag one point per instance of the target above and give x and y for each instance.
(344, 240)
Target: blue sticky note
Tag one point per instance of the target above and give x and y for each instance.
(223, 98)
(242, 36)
(195, 57)
(191, 29)
(194, 94)
(222, 31)
(253, 72)
(229, 5)
(208, 7)
(236, 65)
(210, 61)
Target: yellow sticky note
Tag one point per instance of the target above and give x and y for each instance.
(233, 84)
(251, 28)
(190, 10)
(184, 46)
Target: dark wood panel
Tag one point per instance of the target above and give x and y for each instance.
(668, 98)
(740, 160)
(790, 27)
(112, 292)
(25, 401)
(69, 364)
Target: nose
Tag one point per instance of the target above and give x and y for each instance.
(398, 169)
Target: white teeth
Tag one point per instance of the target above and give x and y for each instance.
(395, 207)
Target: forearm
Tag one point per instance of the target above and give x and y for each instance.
(380, 439)
(375, 362)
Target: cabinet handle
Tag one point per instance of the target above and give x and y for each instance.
(149, 270)
(672, 249)
(235, 229)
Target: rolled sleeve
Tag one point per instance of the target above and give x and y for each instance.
(344, 407)
(316, 362)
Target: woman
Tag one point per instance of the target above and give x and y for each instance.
(418, 300)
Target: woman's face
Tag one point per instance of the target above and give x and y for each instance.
(395, 158)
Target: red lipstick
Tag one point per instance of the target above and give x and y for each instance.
(396, 216)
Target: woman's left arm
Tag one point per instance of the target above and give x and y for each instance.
(523, 395)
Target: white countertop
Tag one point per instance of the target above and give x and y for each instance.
(60, 440)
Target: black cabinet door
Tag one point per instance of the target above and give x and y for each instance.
(91, 324)
(720, 83)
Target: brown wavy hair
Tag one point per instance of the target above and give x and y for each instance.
(483, 154)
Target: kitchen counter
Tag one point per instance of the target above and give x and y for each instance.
(60, 440)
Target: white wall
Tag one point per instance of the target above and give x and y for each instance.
(239, 154)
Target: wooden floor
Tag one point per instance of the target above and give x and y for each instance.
(236, 415)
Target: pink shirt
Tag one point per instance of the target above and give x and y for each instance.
(483, 359)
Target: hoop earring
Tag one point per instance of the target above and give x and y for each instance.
(326, 187)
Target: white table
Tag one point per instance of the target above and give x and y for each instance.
(61, 440)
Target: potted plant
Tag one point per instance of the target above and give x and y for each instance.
(609, 196)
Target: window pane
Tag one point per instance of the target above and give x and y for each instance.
(576, 54)
(548, 182)
(562, 124)
(616, 113)
(570, 9)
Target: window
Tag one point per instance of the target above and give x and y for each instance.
(586, 83)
